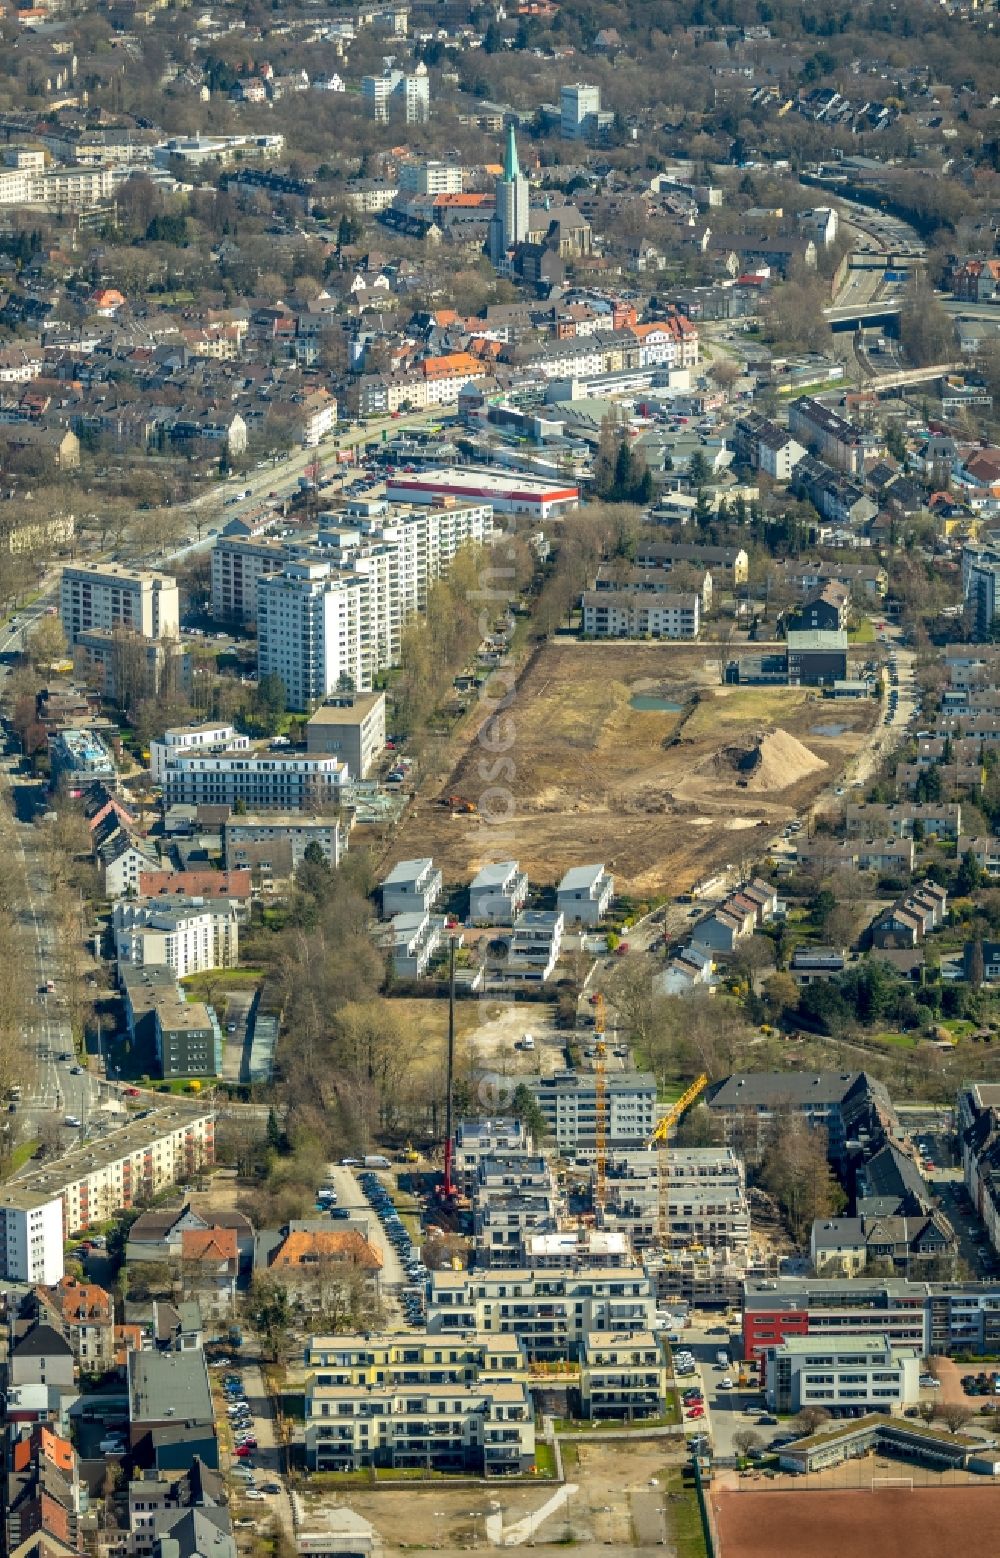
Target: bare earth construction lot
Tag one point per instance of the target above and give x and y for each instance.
(661, 795)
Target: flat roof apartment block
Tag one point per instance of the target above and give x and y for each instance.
(584, 895)
(497, 893)
(411, 886)
(109, 595)
(568, 1100)
(266, 781)
(246, 831)
(159, 1147)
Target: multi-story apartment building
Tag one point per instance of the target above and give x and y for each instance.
(398, 93)
(568, 1100)
(832, 437)
(85, 1314)
(188, 1039)
(486, 1428)
(478, 1142)
(533, 947)
(430, 178)
(414, 1360)
(514, 1198)
(309, 631)
(188, 936)
(264, 781)
(498, 893)
(161, 1147)
(411, 887)
(550, 1312)
(398, 552)
(623, 1375)
(846, 1104)
(209, 736)
(237, 564)
(79, 757)
(584, 895)
(246, 832)
(413, 940)
(456, 1403)
(979, 1137)
(640, 614)
(109, 595)
(580, 114)
(31, 1236)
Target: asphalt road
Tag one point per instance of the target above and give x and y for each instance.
(53, 1085)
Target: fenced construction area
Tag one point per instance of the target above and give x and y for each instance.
(890, 1521)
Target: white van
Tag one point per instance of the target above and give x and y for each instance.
(527, 1042)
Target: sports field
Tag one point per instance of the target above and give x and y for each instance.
(889, 1523)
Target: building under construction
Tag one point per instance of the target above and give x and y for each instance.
(685, 1209)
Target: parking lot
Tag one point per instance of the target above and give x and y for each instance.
(364, 1196)
(249, 1441)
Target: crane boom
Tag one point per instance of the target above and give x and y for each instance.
(676, 1110)
(660, 1138)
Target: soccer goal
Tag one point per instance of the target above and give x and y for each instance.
(892, 1482)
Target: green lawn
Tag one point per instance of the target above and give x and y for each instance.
(958, 1027)
(217, 981)
(863, 632)
(20, 1156)
(566, 1425)
(545, 1460)
(683, 1515)
(897, 1040)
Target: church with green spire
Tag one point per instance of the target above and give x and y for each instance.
(509, 224)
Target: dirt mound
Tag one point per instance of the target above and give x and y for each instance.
(768, 759)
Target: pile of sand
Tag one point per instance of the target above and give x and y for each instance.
(762, 760)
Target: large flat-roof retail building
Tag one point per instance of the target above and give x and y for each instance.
(513, 493)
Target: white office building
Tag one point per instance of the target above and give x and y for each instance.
(109, 595)
(31, 1237)
(857, 1371)
(309, 632)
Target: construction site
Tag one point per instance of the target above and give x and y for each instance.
(633, 754)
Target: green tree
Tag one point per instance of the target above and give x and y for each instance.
(969, 876)
(524, 1107)
(698, 470)
(272, 701)
(270, 1313)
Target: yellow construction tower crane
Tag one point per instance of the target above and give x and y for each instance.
(661, 1138)
(600, 1110)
